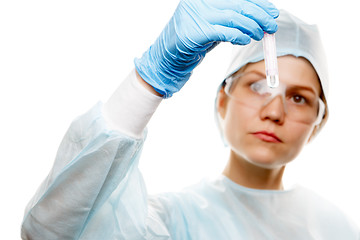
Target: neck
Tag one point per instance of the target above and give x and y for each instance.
(249, 175)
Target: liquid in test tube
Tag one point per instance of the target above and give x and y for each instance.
(271, 66)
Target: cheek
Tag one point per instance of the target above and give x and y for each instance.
(297, 135)
(237, 121)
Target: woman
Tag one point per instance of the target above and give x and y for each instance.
(95, 189)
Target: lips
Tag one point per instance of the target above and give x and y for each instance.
(267, 137)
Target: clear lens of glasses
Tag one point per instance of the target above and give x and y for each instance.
(299, 103)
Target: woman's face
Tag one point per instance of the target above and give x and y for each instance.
(265, 136)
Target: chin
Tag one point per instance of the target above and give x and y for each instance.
(264, 157)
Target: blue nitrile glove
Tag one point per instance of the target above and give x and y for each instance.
(196, 27)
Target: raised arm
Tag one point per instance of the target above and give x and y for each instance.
(95, 189)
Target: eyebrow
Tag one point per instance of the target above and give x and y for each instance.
(258, 72)
(306, 88)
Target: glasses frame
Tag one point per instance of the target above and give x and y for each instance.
(227, 82)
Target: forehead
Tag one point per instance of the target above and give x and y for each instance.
(293, 71)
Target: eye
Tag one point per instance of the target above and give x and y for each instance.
(256, 87)
(298, 99)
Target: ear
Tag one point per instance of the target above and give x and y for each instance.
(221, 103)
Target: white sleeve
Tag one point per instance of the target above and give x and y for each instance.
(95, 189)
(130, 107)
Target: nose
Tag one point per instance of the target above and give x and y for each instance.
(274, 110)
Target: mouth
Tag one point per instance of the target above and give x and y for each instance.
(267, 137)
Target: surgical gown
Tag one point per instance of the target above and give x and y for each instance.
(96, 191)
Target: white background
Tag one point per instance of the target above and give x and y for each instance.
(58, 58)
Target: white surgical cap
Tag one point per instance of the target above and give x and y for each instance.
(294, 37)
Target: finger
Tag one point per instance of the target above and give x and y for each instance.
(260, 16)
(226, 34)
(261, 11)
(232, 19)
(237, 5)
(267, 6)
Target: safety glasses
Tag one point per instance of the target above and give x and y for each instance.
(299, 103)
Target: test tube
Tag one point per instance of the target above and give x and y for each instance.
(271, 66)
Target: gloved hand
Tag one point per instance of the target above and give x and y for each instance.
(196, 27)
